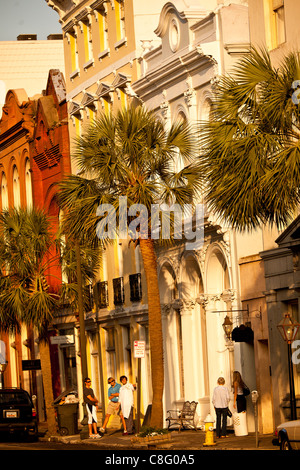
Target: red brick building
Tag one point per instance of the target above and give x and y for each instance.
(34, 156)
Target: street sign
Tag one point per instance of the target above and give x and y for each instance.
(139, 349)
(62, 339)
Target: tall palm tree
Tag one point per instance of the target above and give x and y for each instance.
(130, 154)
(27, 246)
(250, 147)
(24, 291)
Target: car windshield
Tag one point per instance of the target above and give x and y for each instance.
(13, 398)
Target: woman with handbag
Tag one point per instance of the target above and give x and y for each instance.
(220, 401)
(240, 392)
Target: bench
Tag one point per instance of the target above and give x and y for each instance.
(184, 418)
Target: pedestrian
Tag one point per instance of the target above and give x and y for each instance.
(114, 404)
(91, 406)
(126, 401)
(220, 401)
(239, 400)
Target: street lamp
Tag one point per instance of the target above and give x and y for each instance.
(227, 326)
(288, 329)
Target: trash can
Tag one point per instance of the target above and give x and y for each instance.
(240, 424)
(67, 418)
(66, 407)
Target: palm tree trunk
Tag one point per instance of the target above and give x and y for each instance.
(155, 331)
(48, 390)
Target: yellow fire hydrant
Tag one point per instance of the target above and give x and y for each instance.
(209, 431)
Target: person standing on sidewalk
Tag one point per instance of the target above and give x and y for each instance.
(239, 400)
(113, 405)
(126, 402)
(220, 401)
(91, 407)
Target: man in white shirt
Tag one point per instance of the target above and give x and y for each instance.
(220, 401)
(126, 401)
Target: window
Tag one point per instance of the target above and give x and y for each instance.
(28, 184)
(71, 33)
(275, 23)
(127, 351)
(101, 293)
(135, 287)
(111, 352)
(87, 37)
(103, 30)
(119, 295)
(16, 188)
(279, 23)
(4, 192)
(74, 53)
(120, 19)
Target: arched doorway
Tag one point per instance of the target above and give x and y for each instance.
(218, 284)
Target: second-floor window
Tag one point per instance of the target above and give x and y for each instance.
(120, 19)
(103, 29)
(279, 21)
(87, 37)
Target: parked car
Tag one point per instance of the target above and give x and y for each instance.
(287, 435)
(17, 413)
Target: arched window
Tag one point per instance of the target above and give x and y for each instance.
(4, 192)
(180, 163)
(28, 184)
(16, 188)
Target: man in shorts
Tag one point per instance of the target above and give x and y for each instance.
(113, 405)
(91, 407)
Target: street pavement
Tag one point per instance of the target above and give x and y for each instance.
(186, 440)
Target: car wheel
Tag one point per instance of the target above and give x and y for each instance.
(284, 444)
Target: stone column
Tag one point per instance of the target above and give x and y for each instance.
(190, 371)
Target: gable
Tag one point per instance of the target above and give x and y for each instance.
(291, 235)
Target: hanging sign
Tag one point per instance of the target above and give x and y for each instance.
(62, 339)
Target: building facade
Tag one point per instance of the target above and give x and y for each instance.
(199, 287)
(34, 156)
(269, 279)
(167, 57)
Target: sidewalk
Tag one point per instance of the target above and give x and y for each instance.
(184, 440)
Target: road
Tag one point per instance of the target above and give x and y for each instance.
(13, 445)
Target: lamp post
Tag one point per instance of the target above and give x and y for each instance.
(227, 327)
(288, 329)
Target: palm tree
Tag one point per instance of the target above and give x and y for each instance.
(28, 250)
(24, 291)
(130, 154)
(250, 148)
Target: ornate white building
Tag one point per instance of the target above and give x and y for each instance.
(198, 287)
